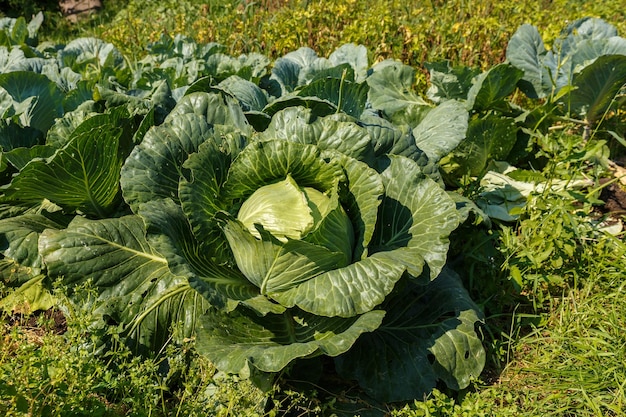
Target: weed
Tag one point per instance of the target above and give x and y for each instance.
(44, 373)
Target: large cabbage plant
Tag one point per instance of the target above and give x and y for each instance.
(301, 247)
(272, 247)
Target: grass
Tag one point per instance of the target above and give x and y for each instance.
(573, 363)
(52, 370)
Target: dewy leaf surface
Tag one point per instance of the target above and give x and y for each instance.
(428, 335)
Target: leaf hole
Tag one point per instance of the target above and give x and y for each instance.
(431, 358)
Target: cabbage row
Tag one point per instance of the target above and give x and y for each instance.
(275, 211)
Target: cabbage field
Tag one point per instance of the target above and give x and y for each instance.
(305, 221)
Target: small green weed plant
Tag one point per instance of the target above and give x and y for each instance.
(47, 371)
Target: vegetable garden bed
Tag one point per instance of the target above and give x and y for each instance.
(306, 210)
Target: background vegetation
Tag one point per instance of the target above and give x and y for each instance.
(472, 32)
(552, 287)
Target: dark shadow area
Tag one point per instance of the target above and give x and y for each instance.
(27, 8)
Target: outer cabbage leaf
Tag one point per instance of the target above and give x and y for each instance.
(337, 132)
(442, 129)
(580, 44)
(154, 167)
(387, 138)
(134, 285)
(488, 139)
(19, 238)
(65, 78)
(60, 133)
(415, 218)
(156, 98)
(391, 89)
(83, 175)
(248, 66)
(250, 96)
(319, 107)
(527, 52)
(200, 194)
(596, 87)
(428, 335)
(20, 157)
(11, 59)
(215, 107)
(355, 55)
(13, 136)
(286, 69)
(580, 49)
(32, 296)
(449, 83)
(237, 341)
(361, 202)
(348, 291)
(48, 99)
(492, 86)
(180, 46)
(582, 34)
(80, 53)
(348, 96)
(322, 70)
(33, 27)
